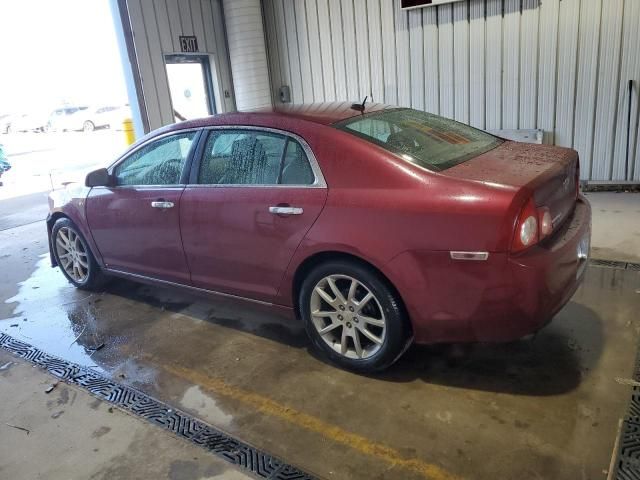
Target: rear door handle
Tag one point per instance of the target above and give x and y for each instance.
(162, 204)
(286, 210)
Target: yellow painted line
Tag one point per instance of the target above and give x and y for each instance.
(313, 424)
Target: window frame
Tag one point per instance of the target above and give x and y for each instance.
(318, 182)
(184, 176)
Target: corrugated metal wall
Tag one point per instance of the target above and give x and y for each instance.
(246, 42)
(156, 26)
(558, 65)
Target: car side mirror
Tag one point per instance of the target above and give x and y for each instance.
(98, 178)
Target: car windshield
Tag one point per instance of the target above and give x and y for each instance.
(427, 140)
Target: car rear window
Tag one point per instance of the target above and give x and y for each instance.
(428, 140)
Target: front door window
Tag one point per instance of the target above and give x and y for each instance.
(159, 163)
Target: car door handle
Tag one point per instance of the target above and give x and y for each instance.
(286, 210)
(162, 204)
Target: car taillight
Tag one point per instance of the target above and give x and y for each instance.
(546, 223)
(526, 228)
(533, 225)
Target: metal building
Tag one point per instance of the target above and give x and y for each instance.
(562, 66)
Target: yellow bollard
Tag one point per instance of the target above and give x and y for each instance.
(129, 133)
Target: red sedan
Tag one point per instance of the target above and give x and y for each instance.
(377, 227)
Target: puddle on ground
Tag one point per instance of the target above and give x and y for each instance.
(203, 405)
(52, 315)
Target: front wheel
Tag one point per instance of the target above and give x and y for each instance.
(88, 126)
(74, 257)
(353, 316)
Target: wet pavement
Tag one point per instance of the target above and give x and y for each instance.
(546, 407)
(92, 439)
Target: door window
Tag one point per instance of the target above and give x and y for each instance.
(295, 168)
(158, 163)
(247, 157)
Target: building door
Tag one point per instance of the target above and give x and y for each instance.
(190, 86)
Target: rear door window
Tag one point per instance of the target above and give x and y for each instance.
(296, 169)
(253, 157)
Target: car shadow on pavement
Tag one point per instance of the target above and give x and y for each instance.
(238, 315)
(552, 362)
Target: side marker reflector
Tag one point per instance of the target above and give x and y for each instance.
(473, 256)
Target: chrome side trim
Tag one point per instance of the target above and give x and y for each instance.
(473, 256)
(179, 186)
(189, 287)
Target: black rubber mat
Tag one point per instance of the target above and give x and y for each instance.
(627, 464)
(248, 458)
(596, 262)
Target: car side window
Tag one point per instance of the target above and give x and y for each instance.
(158, 163)
(248, 157)
(374, 128)
(241, 157)
(296, 169)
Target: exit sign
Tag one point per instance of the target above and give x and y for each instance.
(408, 4)
(188, 44)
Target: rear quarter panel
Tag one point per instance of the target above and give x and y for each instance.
(380, 207)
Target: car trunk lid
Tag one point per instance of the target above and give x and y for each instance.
(548, 172)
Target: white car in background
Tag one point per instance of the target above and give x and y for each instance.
(112, 116)
(88, 119)
(70, 118)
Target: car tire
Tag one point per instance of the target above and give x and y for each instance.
(84, 273)
(350, 315)
(88, 126)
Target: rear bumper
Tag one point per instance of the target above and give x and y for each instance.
(501, 299)
(546, 276)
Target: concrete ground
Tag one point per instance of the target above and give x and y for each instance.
(546, 407)
(68, 434)
(541, 408)
(616, 225)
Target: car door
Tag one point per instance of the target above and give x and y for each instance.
(136, 223)
(252, 197)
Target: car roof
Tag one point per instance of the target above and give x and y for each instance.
(325, 113)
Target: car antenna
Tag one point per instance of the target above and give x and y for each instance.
(359, 106)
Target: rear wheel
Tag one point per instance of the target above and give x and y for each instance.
(353, 317)
(88, 126)
(74, 257)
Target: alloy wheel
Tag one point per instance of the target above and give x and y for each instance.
(72, 254)
(347, 316)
